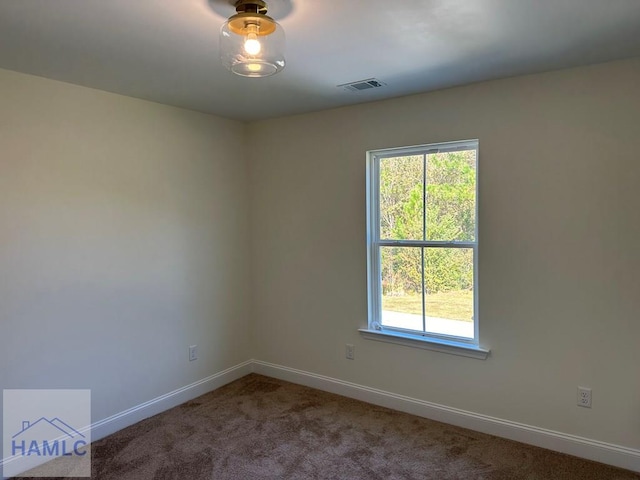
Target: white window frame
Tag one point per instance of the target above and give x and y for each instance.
(468, 347)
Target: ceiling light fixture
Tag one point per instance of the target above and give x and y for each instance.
(251, 43)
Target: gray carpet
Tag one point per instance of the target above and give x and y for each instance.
(261, 428)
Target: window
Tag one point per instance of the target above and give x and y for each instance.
(423, 247)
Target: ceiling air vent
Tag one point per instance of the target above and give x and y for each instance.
(362, 85)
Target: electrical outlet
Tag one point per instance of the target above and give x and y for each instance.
(350, 352)
(193, 353)
(584, 397)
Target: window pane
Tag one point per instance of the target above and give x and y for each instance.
(401, 269)
(402, 198)
(449, 291)
(451, 196)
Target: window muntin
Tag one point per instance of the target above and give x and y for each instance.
(423, 240)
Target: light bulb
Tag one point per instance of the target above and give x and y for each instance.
(252, 45)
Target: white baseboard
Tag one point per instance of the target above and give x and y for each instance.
(608, 453)
(112, 424)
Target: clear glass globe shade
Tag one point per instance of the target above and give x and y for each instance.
(242, 56)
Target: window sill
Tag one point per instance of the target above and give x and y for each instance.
(435, 344)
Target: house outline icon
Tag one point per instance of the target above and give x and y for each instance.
(55, 425)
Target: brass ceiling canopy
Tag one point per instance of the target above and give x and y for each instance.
(252, 13)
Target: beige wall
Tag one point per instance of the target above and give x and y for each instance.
(123, 240)
(559, 257)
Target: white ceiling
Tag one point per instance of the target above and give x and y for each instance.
(166, 50)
